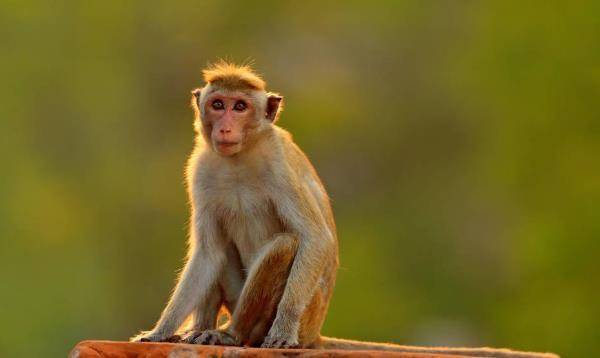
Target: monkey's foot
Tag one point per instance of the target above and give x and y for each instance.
(149, 336)
(280, 342)
(211, 337)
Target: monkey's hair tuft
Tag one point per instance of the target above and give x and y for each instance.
(232, 76)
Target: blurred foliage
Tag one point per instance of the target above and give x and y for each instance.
(459, 140)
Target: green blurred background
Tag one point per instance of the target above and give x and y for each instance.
(459, 141)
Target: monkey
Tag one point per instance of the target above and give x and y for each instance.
(262, 241)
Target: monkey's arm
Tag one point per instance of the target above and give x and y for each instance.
(299, 210)
(204, 265)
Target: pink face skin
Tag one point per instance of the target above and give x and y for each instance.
(227, 117)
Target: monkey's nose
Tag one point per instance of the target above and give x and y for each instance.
(224, 131)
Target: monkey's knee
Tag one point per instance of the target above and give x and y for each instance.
(282, 249)
(269, 274)
(272, 268)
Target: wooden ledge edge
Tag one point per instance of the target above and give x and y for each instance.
(116, 349)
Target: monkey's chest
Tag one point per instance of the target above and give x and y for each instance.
(249, 220)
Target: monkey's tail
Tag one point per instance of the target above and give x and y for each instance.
(346, 344)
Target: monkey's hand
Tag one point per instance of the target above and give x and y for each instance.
(151, 336)
(281, 338)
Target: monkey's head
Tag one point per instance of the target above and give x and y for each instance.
(233, 107)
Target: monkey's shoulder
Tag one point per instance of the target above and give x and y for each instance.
(289, 151)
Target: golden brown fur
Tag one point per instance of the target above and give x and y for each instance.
(263, 242)
(233, 77)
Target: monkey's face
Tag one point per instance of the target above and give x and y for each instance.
(228, 117)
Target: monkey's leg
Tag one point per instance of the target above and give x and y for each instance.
(257, 304)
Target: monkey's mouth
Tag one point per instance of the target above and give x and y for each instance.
(227, 148)
(226, 144)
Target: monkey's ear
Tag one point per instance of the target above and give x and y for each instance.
(274, 106)
(197, 93)
(196, 100)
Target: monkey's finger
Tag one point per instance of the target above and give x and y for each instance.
(206, 338)
(173, 339)
(191, 338)
(269, 343)
(214, 340)
(291, 345)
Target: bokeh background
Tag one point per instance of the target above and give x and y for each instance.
(459, 141)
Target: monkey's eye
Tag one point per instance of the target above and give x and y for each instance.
(217, 104)
(240, 106)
